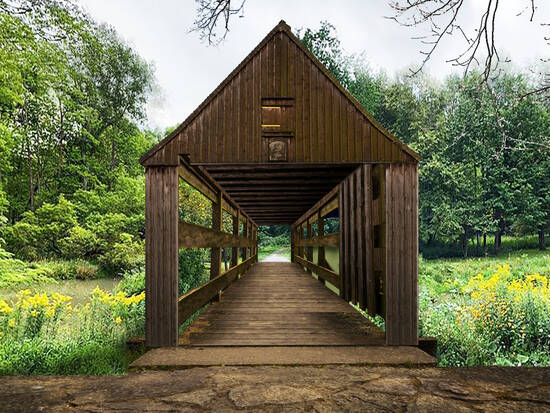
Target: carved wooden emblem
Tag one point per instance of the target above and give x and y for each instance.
(277, 150)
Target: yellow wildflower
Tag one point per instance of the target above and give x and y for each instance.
(11, 323)
(34, 313)
(5, 308)
(118, 320)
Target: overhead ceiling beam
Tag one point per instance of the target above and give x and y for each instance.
(280, 188)
(280, 166)
(278, 174)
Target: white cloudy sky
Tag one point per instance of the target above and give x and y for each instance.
(188, 70)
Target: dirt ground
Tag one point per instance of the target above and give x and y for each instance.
(286, 389)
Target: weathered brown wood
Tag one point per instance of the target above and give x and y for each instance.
(401, 255)
(321, 203)
(161, 245)
(352, 240)
(194, 300)
(216, 252)
(245, 234)
(321, 260)
(325, 138)
(331, 240)
(235, 249)
(196, 236)
(309, 250)
(279, 304)
(360, 236)
(266, 73)
(370, 281)
(341, 243)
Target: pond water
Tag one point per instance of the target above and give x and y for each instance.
(80, 290)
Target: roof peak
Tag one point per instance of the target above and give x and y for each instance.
(283, 25)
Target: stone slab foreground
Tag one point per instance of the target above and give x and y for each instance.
(286, 389)
(183, 357)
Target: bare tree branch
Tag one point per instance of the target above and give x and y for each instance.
(211, 14)
(480, 45)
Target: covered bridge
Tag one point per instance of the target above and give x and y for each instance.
(280, 141)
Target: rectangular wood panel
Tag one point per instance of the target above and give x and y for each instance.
(401, 255)
(161, 249)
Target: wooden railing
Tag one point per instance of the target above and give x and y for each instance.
(302, 246)
(197, 236)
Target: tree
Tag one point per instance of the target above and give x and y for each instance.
(324, 44)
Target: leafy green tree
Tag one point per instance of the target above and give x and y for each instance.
(324, 44)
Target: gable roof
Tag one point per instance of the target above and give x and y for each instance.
(282, 27)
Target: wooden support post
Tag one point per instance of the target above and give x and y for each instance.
(321, 260)
(300, 235)
(292, 243)
(216, 253)
(401, 240)
(161, 256)
(342, 243)
(235, 250)
(256, 242)
(309, 250)
(245, 234)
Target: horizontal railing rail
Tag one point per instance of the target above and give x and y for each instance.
(330, 240)
(324, 273)
(194, 300)
(197, 236)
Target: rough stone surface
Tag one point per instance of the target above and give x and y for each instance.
(286, 389)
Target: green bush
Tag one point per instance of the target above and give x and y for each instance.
(133, 281)
(80, 242)
(123, 255)
(37, 234)
(191, 268)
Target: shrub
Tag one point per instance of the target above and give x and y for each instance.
(123, 255)
(191, 269)
(37, 234)
(80, 242)
(133, 281)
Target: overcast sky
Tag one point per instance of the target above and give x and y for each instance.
(188, 70)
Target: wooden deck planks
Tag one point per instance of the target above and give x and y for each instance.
(279, 304)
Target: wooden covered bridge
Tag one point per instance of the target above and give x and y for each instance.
(280, 141)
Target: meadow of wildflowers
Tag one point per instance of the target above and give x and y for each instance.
(46, 334)
(495, 317)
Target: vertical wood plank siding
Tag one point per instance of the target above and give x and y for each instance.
(401, 254)
(382, 279)
(216, 253)
(327, 126)
(356, 234)
(161, 251)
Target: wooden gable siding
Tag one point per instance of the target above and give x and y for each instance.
(327, 124)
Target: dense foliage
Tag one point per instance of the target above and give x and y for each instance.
(71, 98)
(484, 169)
